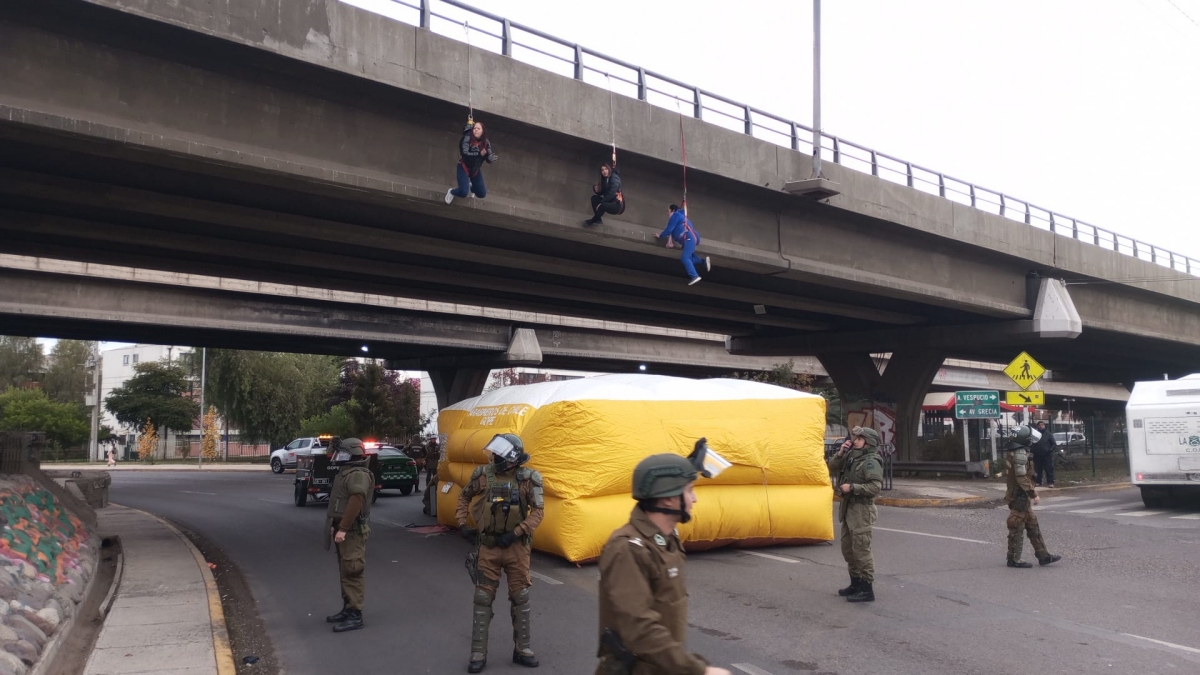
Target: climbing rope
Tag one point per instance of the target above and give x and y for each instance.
(470, 91)
(612, 120)
(683, 150)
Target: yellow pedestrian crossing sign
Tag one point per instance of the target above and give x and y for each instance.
(1024, 370)
(1025, 397)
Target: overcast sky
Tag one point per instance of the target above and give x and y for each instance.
(1086, 107)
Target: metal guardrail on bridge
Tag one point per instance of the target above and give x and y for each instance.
(456, 19)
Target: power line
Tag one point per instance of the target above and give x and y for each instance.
(1185, 14)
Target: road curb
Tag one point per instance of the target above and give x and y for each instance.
(920, 502)
(216, 614)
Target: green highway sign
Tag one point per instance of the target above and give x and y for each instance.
(976, 405)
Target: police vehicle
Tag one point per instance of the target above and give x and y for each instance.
(315, 473)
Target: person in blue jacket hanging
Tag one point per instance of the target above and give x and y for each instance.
(681, 230)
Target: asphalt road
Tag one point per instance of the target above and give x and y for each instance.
(1124, 599)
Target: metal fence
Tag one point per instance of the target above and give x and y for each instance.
(484, 30)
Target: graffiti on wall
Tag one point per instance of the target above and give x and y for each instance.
(38, 530)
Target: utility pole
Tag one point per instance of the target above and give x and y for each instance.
(816, 142)
(203, 373)
(96, 389)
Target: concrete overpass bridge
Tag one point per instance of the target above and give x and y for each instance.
(310, 143)
(457, 344)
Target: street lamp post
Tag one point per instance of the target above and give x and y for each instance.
(816, 142)
(203, 373)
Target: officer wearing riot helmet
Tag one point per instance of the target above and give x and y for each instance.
(346, 525)
(1020, 494)
(643, 589)
(509, 509)
(859, 473)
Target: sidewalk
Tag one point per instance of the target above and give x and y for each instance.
(928, 492)
(139, 466)
(166, 618)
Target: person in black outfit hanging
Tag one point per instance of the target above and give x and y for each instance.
(1043, 456)
(474, 150)
(608, 197)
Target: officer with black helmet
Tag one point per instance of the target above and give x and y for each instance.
(346, 526)
(643, 589)
(509, 509)
(1021, 497)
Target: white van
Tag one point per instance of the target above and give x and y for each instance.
(1164, 438)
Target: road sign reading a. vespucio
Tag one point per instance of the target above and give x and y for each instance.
(1024, 370)
(977, 405)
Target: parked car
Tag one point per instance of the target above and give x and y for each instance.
(1070, 441)
(397, 470)
(285, 458)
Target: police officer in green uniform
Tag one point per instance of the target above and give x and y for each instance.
(859, 472)
(346, 525)
(643, 588)
(1019, 468)
(508, 509)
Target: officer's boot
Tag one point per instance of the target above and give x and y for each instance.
(852, 588)
(866, 592)
(340, 616)
(481, 618)
(1039, 547)
(522, 654)
(352, 621)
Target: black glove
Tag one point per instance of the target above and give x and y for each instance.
(468, 533)
(507, 539)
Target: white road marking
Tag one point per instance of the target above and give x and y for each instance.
(768, 556)
(1137, 514)
(926, 534)
(272, 501)
(1099, 509)
(543, 577)
(1190, 516)
(1165, 644)
(1059, 500)
(210, 494)
(1086, 501)
(750, 669)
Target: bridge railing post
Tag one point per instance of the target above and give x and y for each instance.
(506, 41)
(908, 170)
(426, 13)
(578, 62)
(875, 165)
(837, 150)
(641, 84)
(749, 121)
(697, 103)
(941, 186)
(795, 137)
(972, 191)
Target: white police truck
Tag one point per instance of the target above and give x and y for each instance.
(1163, 418)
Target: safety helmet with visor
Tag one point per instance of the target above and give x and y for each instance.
(507, 450)
(668, 475)
(347, 450)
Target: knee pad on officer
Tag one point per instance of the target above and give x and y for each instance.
(484, 597)
(521, 597)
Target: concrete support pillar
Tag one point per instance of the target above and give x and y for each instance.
(904, 382)
(452, 385)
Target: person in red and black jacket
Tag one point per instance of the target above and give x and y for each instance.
(475, 149)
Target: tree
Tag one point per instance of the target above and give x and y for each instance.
(148, 442)
(67, 374)
(783, 375)
(267, 395)
(65, 424)
(383, 405)
(336, 422)
(21, 361)
(208, 443)
(157, 391)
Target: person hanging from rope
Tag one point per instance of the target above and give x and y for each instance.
(475, 149)
(608, 197)
(680, 229)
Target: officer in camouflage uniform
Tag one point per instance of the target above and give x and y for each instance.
(859, 472)
(433, 455)
(508, 510)
(346, 525)
(1019, 468)
(643, 588)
